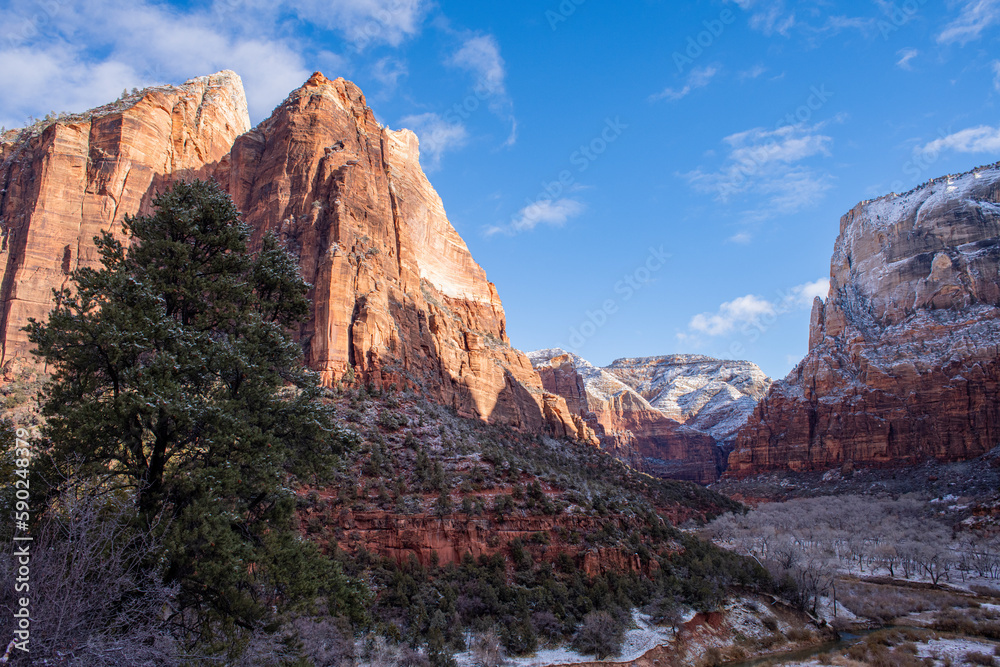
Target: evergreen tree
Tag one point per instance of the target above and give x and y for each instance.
(175, 379)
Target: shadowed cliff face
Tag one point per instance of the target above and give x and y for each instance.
(903, 354)
(61, 186)
(635, 431)
(397, 297)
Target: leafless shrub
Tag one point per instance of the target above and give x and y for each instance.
(977, 658)
(487, 650)
(94, 600)
(379, 652)
(601, 635)
(884, 603)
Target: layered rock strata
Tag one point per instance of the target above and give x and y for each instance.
(626, 423)
(64, 182)
(903, 359)
(397, 298)
(715, 396)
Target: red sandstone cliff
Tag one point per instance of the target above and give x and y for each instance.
(627, 425)
(62, 185)
(397, 297)
(903, 359)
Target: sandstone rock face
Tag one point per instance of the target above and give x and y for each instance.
(903, 359)
(626, 423)
(715, 396)
(62, 185)
(397, 297)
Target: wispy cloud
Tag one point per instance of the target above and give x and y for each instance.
(134, 44)
(752, 73)
(996, 75)
(766, 163)
(905, 56)
(698, 78)
(437, 137)
(366, 22)
(388, 71)
(768, 16)
(981, 139)
(553, 212)
(974, 17)
(749, 310)
(480, 56)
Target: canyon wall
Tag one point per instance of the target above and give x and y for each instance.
(627, 424)
(396, 297)
(903, 353)
(64, 182)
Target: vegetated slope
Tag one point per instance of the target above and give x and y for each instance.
(462, 525)
(902, 362)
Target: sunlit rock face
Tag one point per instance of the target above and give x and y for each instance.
(902, 364)
(63, 183)
(645, 410)
(397, 298)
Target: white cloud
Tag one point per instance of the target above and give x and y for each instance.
(365, 22)
(752, 73)
(982, 139)
(742, 310)
(764, 163)
(974, 17)
(754, 311)
(388, 71)
(741, 237)
(803, 295)
(905, 56)
(480, 56)
(996, 75)
(554, 212)
(437, 136)
(698, 78)
(768, 16)
(86, 52)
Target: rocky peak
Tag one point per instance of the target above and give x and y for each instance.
(66, 180)
(712, 395)
(902, 363)
(626, 423)
(397, 298)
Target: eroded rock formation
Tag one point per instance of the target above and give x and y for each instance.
(903, 359)
(62, 183)
(397, 297)
(626, 423)
(715, 396)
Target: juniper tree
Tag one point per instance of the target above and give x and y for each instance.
(175, 379)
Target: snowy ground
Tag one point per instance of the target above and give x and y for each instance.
(639, 640)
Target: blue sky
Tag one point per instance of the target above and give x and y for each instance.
(637, 178)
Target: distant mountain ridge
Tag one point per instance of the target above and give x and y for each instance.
(649, 410)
